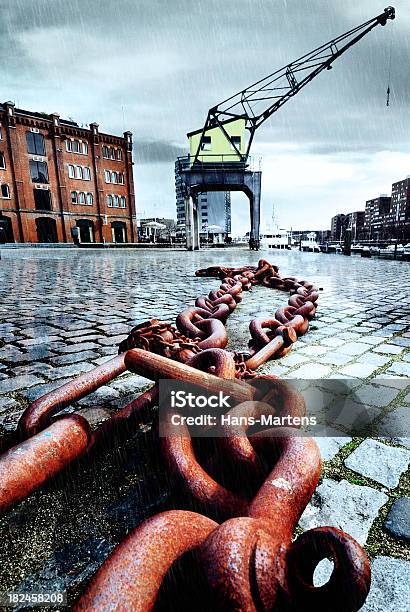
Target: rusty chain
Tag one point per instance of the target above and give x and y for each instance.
(252, 488)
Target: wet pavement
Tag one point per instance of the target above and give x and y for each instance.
(64, 311)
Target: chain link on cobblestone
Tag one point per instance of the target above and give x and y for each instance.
(244, 545)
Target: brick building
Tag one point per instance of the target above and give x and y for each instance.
(379, 218)
(354, 221)
(338, 226)
(56, 176)
(400, 200)
(389, 217)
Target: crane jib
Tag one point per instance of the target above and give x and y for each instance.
(223, 137)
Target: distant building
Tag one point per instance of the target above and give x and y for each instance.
(389, 217)
(320, 236)
(379, 218)
(400, 204)
(354, 221)
(157, 228)
(214, 206)
(338, 226)
(60, 181)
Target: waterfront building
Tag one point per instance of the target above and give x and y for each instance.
(157, 229)
(354, 222)
(338, 226)
(379, 219)
(60, 182)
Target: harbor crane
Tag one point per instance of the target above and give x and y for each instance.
(219, 152)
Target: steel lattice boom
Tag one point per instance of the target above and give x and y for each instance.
(260, 100)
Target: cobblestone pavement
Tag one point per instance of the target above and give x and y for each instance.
(64, 311)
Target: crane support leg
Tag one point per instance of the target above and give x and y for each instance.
(254, 195)
(192, 225)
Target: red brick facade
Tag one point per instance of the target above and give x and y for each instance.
(56, 176)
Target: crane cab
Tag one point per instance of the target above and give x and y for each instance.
(217, 147)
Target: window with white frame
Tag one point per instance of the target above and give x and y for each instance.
(112, 153)
(114, 177)
(79, 172)
(107, 176)
(5, 191)
(2, 161)
(116, 201)
(76, 146)
(81, 197)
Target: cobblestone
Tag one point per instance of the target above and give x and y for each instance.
(398, 519)
(390, 588)
(346, 506)
(382, 463)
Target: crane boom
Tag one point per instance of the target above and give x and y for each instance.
(249, 105)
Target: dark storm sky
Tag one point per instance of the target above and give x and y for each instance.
(155, 67)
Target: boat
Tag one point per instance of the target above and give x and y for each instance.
(275, 238)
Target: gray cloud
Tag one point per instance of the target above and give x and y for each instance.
(157, 151)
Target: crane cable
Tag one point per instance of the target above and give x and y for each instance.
(389, 68)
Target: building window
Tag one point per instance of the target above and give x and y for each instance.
(114, 177)
(80, 197)
(107, 176)
(206, 143)
(116, 201)
(106, 152)
(119, 154)
(79, 172)
(2, 161)
(76, 146)
(38, 171)
(5, 191)
(120, 178)
(236, 140)
(112, 153)
(35, 144)
(42, 199)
